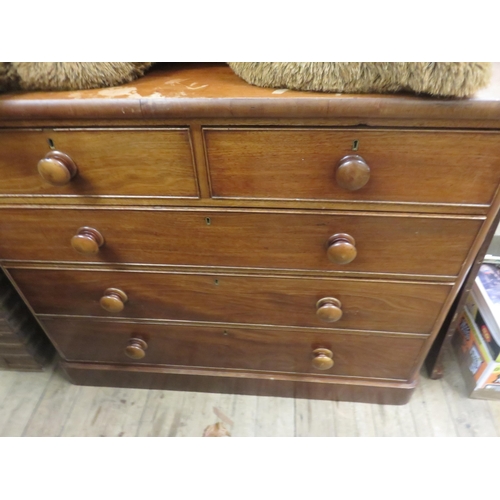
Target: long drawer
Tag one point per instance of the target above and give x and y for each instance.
(364, 304)
(354, 355)
(426, 245)
(406, 166)
(117, 162)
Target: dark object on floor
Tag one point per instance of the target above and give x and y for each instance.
(23, 344)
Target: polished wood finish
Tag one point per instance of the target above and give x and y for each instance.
(136, 348)
(293, 240)
(323, 359)
(113, 300)
(352, 173)
(212, 91)
(329, 309)
(87, 241)
(263, 350)
(111, 162)
(57, 168)
(228, 212)
(341, 249)
(161, 378)
(300, 164)
(266, 300)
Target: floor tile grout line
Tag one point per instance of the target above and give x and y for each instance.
(39, 401)
(12, 383)
(450, 411)
(492, 418)
(426, 409)
(415, 427)
(63, 428)
(377, 431)
(142, 413)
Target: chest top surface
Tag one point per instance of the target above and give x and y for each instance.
(196, 90)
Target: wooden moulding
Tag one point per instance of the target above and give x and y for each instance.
(113, 162)
(273, 351)
(208, 90)
(213, 381)
(288, 240)
(395, 306)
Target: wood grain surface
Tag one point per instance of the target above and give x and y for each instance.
(266, 300)
(196, 90)
(242, 239)
(430, 166)
(119, 162)
(223, 295)
(235, 348)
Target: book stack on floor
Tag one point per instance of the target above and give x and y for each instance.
(23, 344)
(477, 338)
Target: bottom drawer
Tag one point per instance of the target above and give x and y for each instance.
(270, 350)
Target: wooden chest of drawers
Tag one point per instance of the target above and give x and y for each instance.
(203, 234)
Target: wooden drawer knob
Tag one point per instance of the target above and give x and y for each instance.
(57, 168)
(352, 172)
(323, 359)
(113, 300)
(87, 241)
(329, 309)
(341, 249)
(136, 348)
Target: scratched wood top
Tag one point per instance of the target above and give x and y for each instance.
(203, 90)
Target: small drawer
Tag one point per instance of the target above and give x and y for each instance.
(299, 241)
(328, 303)
(404, 166)
(98, 162)
(353, 355)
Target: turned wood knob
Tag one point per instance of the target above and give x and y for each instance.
(87, 241)
(352, 172)
(113, 300)
(329, 309)
(323, 359)
(57, 168)
(341, 248)
(136, 348)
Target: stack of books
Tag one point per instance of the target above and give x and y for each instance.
(477, 339)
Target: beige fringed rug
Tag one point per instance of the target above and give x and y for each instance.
(437, 79)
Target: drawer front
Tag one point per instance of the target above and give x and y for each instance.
(155, 163)
(432, 167)
(244, 349)
(364, 304)
(252, 239)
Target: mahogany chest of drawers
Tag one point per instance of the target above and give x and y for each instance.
(189, 231)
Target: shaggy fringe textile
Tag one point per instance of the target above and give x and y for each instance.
(437, 79)
(68, 75)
